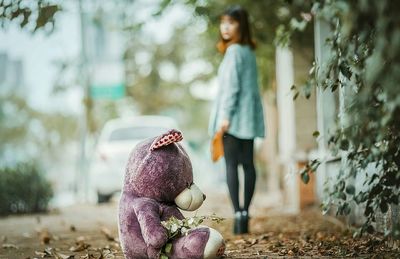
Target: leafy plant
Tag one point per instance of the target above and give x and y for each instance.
(178, 227)
(30, 15)
(23, 189)
(363, 63)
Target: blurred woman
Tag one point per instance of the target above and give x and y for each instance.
(237, 110)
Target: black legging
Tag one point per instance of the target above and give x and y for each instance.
(239, 151)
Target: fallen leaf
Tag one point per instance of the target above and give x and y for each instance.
(283, 252)
(107, 233)
(93, 255)
(44, 236)
(62, 256)
(320, 236)
(253, 241)
(8, 246)
(263, 237)
(41, 254)
(107, 254)
(80, 245)
(80, 239)
(48, 250)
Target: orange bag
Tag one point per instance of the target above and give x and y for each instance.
(217, 146)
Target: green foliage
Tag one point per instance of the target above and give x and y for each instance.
(26, 133)
(364, 62)
(153, 93)
(309, 168)
(159, 78)
(265, 17)
(23, 189)
(29, 14)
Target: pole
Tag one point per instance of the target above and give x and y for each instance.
(287, 125)
(82, 174)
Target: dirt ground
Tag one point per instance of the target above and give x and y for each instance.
(90, 231)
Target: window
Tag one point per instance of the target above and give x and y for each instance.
(136, 133)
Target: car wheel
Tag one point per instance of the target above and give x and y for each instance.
(103, 198)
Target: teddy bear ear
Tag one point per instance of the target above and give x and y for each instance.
(166, 139)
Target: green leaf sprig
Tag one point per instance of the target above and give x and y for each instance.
(178, 227)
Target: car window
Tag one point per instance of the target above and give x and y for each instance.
(135, 133)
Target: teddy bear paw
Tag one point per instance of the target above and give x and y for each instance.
(215, 246)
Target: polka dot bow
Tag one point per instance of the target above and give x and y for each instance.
(166, 139)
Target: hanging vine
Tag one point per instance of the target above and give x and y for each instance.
(363, 61)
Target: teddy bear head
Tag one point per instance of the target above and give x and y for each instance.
(159, 168)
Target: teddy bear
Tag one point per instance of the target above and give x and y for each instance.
(159, 180)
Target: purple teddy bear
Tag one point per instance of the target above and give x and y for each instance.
(158, 181)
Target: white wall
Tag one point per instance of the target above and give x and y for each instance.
(287, 126)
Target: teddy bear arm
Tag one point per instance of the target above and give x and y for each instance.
(148, 215)
(171, 211)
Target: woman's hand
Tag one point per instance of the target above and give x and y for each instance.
(225, 125)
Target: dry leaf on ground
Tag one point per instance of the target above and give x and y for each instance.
(8, 246)
(80, 245)
(44, 236)
(107, 234)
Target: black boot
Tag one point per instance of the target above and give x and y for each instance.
(244, 222)
(237, 223)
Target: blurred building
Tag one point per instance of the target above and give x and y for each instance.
(11, 75)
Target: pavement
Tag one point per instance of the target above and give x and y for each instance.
(95, 226)
(87, 231)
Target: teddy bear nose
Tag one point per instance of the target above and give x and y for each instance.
(204, 197)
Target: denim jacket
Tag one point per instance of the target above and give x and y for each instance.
(238, 99)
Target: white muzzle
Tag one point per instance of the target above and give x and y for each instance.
(190, 199)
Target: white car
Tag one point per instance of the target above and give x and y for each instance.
(116, 141)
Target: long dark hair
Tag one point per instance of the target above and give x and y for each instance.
(240, 15)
